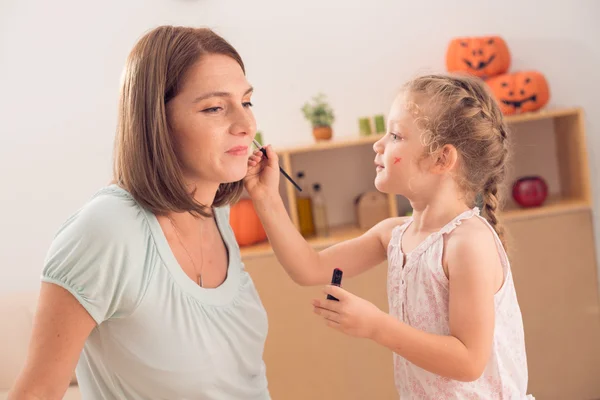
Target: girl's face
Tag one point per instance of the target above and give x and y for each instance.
(211, 121)
(401, 165)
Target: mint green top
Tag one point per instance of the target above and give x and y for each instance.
(159, 334)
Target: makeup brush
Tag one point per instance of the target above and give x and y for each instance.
(258, 146)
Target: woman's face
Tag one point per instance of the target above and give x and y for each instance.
(212, 122)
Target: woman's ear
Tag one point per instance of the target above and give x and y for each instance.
(446, 159)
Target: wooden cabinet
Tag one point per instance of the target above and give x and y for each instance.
(306, 359)
(554, 267)
(551, 249)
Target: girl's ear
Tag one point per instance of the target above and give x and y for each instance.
(446, 159)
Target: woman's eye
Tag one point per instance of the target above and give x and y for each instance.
(247, 104)
(212, 110)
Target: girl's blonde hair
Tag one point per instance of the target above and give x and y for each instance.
(145, 162)
(459, 110)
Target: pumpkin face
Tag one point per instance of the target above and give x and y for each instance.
(520, 92)
(245, 223)
(482, 56)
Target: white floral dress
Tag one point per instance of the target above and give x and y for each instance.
(418, 296)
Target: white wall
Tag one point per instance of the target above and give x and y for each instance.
(60, 64)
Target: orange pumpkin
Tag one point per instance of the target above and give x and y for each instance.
(520, 92)
(482, 56)
(245, 223)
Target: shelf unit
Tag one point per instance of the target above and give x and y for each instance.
(572, 172)
(551, 250)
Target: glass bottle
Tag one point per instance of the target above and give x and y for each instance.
(304, 206)
(320, 211)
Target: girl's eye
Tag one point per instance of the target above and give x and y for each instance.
(394, 136)
(247, 104)
(212, 110)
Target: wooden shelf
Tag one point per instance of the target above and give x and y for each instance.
(257, 250)
(337, 234)
(551, 250)
(512, 212)
(552, 206)
(543, 114)
(360, 140)
(332, 144)
(574, 176)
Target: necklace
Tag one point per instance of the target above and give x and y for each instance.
(188, 254)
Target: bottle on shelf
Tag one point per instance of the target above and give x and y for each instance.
(305, 208)
(320, 211)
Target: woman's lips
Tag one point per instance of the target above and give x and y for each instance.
(238, 151)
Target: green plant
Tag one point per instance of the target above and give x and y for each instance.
(319, 113)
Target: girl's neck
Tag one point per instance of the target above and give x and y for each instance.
(433, 212)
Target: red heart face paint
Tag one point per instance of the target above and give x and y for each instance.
(397, 160)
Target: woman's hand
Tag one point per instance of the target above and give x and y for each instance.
(351, 314)
(262, 179)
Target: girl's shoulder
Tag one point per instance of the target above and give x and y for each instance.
(386, 228)
(473, 239)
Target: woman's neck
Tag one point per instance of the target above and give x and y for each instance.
(204, 193)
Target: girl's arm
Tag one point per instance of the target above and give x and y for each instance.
(303, 264)
(309, 267)
(463, 354)
(60, 329)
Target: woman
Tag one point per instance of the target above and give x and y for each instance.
(144, 285)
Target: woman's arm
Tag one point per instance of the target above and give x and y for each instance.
(61, 327)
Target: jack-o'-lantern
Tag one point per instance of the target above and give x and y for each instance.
(520, 92)
(482, 56)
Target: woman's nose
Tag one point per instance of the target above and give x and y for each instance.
(243, 123)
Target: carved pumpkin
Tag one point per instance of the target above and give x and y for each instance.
(482, 56)
(245, 223)
(520, 92)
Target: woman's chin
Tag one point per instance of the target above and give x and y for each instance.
(235, 175)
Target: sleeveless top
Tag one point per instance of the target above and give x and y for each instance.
(418, 295)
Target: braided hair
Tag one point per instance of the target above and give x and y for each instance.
(459, 110)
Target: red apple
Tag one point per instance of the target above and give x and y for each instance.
(530, 191)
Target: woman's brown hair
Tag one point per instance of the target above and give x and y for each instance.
(145, 162)
(459, 110)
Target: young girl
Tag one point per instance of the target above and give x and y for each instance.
(454, 326)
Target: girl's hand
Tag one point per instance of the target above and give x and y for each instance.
(262, 179)
(351, 314)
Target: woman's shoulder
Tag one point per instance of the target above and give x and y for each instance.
(110, 212)
(100, 254)
(113, 202)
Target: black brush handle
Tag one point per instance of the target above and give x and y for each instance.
(289, 178)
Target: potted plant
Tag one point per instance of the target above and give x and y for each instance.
(320, 115)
